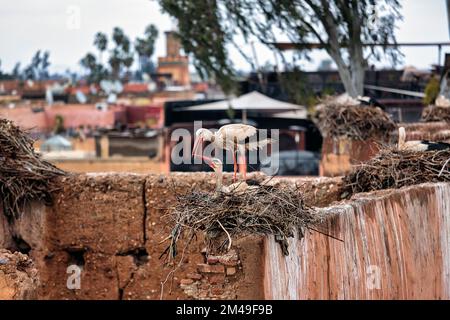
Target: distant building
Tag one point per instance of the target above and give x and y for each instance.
(174, 64)
(403, 108)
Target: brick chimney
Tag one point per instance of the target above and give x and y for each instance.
(173, 45)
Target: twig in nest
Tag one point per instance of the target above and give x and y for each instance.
(443, 167)
(229, 237)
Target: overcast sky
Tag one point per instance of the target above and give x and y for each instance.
(66, 28)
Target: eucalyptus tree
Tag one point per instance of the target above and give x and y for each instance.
(207, 29)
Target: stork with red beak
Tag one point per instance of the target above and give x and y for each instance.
(230, 137)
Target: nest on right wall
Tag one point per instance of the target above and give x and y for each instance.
(354, 122)
(393, 168)
(436, 113)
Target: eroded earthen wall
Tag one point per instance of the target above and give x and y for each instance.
(395, 245)
(114, 228)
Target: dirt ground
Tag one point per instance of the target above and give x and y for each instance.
(18, 277)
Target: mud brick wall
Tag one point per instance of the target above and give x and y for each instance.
(338, 155)
(113, 227)
(395, 245)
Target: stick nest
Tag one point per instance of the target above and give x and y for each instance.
(393, 168)
(265, 210)
(23, 175)
(353, 122)
(435, 113)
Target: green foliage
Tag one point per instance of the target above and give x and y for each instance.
(16, 71)
(59, 124)
(431, 91)
(202, 31)
(145, 47)
(121, 56)
(231, 113)
(101, 41)
(96, 70)
(293, 83)
(37, 69)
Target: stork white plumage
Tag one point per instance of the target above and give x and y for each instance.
(371, 102)
(418, 145)
(230, 137)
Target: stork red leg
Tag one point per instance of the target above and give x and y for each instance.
(243, 167)
(235, 167)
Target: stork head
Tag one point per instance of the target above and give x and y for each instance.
(204, 134)
(201, 135)
(215, 163)
(401, 137)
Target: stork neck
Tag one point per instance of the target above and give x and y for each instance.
(401, 137)
(219, 180)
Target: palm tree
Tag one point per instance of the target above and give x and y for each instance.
(89, 61)
(101, 42)
(146, 47)
(121, 55)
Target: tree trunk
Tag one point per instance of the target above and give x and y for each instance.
(358, 75)
(352, 74)
(345, 74)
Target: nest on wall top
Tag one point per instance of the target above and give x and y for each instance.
(266, 210)
(393, 168)
(24, 176)
(436, 113)
(354, 122)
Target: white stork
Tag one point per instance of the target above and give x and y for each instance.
(236, 188)
(418, 145)
(230, 137)
(371, 102)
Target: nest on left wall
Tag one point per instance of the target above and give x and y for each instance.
(224, 217)
(24, 176)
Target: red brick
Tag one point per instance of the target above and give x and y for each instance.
(212, 259)
(202, 293)
(194, 276)
(229, 259)
(231, 271)
(208, 268)
(217, 291)
(216, 278)
(186, 282)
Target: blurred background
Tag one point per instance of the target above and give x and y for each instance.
(101, 85)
